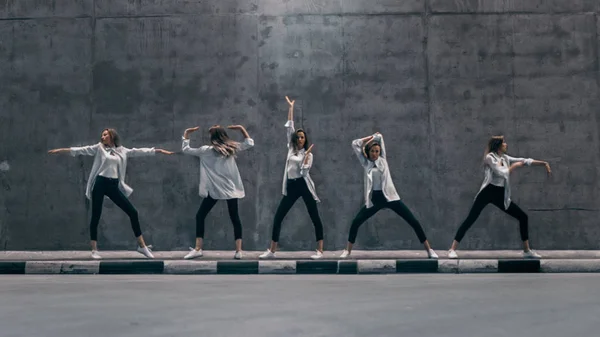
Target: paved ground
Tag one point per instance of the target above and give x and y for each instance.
(374, 305)
(64, 255)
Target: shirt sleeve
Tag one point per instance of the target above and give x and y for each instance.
(140, 152)
(185, 148)
(357, 147)
(246, 144)
(90, 150)
(526, 161)
(289, 129)
(379, 138)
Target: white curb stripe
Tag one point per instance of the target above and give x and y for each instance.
(570, 266)
(190, 267)
(448, 266)
(477, 266)
(376, 266)
(277, 267)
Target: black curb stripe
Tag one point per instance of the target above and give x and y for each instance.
(9, 267)
(347, 267)
(237, 267)
(131, 267)
(416, 266)
(518, 266)
(316, 267)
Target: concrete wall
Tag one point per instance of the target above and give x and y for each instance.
(436, 77)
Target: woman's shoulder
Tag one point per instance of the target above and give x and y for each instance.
(493, 156)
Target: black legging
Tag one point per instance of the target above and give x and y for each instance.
(379, 203)
(110, 187)
(207, 205)
(495, 195)
(297, 188)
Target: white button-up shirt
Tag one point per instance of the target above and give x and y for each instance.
(219, 175)
(110, 167)
(499, 175)
(376, 173)
(100, 153)
(303, 168)
(294, 165)
(387, 185)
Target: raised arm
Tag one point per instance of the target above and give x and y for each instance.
(358, 145)
(90, 150)
(378, 137)
(291, 108)
(289, 125)
(248, 142)
(185, 145)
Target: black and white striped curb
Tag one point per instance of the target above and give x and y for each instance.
(183, 267)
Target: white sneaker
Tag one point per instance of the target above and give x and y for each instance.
(345, 254)
(318, 255)
(452, 254)
(193, 254)
(267, 255)
(238, 255)
(531, 254)
(146, 252)
(95, 255)
(432, 255)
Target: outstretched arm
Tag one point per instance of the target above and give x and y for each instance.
(61, 150)
(140, 152)
(519, 162)
(545, 164)
(163, 151)
(533, 162)
(78, 150)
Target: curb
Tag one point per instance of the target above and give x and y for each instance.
(412, 266)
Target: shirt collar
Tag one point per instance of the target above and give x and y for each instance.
(376, 163)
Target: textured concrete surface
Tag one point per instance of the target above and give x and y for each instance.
(288, 305)
(436, 77)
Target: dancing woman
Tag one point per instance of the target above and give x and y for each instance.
(496, 190)
(107, 178)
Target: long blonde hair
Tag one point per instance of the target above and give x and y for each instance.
(221, 142)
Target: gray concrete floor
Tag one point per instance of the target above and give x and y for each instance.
(296, 305)
(210, 255)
